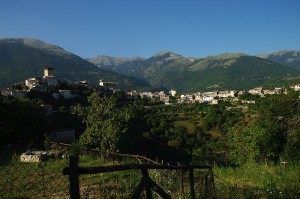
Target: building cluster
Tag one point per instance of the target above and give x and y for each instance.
(212, 97)
(48, 82)
(13, 92)
(42, 83)
(200, 97)
(161, 95)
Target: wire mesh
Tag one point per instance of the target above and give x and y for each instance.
(122, 184)
(33, 180)
(107, 185)
(46, 180)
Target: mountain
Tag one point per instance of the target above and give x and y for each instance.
(121, 65)
(226, 71)
(287, 57)
(23, 58)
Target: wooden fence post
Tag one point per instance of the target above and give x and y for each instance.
(74, 177)
(192, 188)
(147, 183)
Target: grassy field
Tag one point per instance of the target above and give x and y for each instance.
(33, 180)
(191, 128)
(45, 180)
(258, 181)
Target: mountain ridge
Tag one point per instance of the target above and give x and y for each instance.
(224, 71)
(23, 58)
(287, 57)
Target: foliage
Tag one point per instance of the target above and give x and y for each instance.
(105, 122)
(272, 135)
(248, 96)
(19, 87)
(21, 120)
(252, 144)
(19, 61)
(226, 71)
(258, 181)
(217, 117)
(33, 180)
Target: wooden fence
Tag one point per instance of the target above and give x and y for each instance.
(110, 155)
(146, 183)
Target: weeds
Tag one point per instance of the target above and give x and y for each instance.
(258, 181)
(42, 180)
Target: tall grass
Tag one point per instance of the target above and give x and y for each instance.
(258, 181)
(45, 179)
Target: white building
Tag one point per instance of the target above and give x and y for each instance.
(226, 94)
(278, 90)
(215, 101)
(208, 98)
(297, 87)
(107, 86)
(269, 92)
(211, 94)
(172, 92)
(256, 91)
(32, 82)
(198, 97)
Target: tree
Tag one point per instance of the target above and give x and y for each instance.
(21, 120)
(248, 96)
(105, 122)
(293, 144)
(271, 134)
(213, 118)
(245, 144)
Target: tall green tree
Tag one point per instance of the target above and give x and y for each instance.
(105, 122)
(273, 133)
(256, 143)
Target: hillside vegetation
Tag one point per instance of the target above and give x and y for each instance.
(24, 58)
(287, 57)
(226, 71)
(246, 143)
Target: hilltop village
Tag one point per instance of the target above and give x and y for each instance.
(257, 128)
(50, 84)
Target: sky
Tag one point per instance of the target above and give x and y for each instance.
(130, 28)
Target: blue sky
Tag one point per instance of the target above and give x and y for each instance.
(128, 28)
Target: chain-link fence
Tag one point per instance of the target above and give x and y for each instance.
(122, 183)
(46, 180)
(34, 180)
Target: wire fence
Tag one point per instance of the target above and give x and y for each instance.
(46, 180)
(34, 180)
(123, 183)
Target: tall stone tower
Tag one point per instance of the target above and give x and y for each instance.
(48, 72)
(48, 77)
